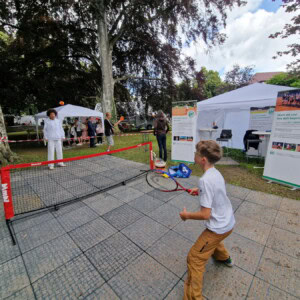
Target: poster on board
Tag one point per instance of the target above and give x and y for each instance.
(261, 118)
(184, 116)
(283, 156)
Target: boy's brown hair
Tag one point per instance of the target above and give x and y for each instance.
(210, 149)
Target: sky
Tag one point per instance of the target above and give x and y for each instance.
(247, 42)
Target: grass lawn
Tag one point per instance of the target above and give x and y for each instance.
(243, 175)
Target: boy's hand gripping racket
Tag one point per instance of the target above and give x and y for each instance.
(164, 182)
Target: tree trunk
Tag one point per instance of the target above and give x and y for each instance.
(107, 92)
(6, 155)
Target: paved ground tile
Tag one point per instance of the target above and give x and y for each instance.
(141, 186)
(3, 230)
(245, 253)
(177, 292)
(284, 241)
(280, 270)
(47, 257)
(77, 218)
(257, 212)
(13, 277)
(235, 202)
(167, 215)
(265, 199)
(191, 203)
(24, 294)
(122, 216)
(7, 250)
(38, 235)
(163, 196)
(128, 195)
(31, 220)
(67, 208)
(171, 251)
(265, 291)
(223, 283)
(74, 280)
(237, 191)
(113, 255)
(104, 205)
(190, 229)
(145, 232)
(290, 206)
(145, 203)
(288, 222)
(103, 293)
(142, 278)
(252, 229)
(90, 234)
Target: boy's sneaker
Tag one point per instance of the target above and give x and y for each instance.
(62, 165)
(51, 167)
(228, 262)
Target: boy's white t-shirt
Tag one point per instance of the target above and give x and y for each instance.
(212, 194)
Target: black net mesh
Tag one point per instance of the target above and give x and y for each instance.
(38, 187)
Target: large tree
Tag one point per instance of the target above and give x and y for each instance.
(120, 39)
(6, 155)
(291, 29)
(239, 76)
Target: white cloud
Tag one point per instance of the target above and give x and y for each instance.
(247, 42)
(236, 12)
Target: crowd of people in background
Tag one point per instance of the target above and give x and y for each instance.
(85, 131)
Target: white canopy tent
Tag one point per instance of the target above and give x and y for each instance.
(71, 111)
(232, 110)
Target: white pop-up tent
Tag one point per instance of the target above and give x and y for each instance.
(71, 111)
(232, 110)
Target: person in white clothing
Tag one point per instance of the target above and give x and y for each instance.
(54, 134)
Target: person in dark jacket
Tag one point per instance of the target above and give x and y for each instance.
(109, 130)
(91, 132)
(161, 128)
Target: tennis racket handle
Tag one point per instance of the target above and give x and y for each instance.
(194, 193)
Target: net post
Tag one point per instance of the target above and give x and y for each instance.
(151, 156)
(7, 199)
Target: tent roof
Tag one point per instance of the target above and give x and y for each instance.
(244, 96)
(70, 110)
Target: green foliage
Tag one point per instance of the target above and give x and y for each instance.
(290, 29)
(285, 79)
(212, 82)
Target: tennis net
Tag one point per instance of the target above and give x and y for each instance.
(31, 187)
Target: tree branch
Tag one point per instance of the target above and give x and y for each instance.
(115, 25)
(125, 77)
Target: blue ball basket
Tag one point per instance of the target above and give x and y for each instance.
(180, 171)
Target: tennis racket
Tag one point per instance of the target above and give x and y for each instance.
(164, 182)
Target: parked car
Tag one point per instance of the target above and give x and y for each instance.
(136, 122)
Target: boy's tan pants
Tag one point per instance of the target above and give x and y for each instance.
(209, 243)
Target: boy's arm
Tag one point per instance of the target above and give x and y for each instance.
(202, 214)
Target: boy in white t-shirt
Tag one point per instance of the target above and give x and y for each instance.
(216, 209)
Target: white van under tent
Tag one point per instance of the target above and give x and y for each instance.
(232, 110)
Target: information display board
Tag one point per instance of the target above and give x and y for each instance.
(184, 116)
(283, 156)
(261, 118)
